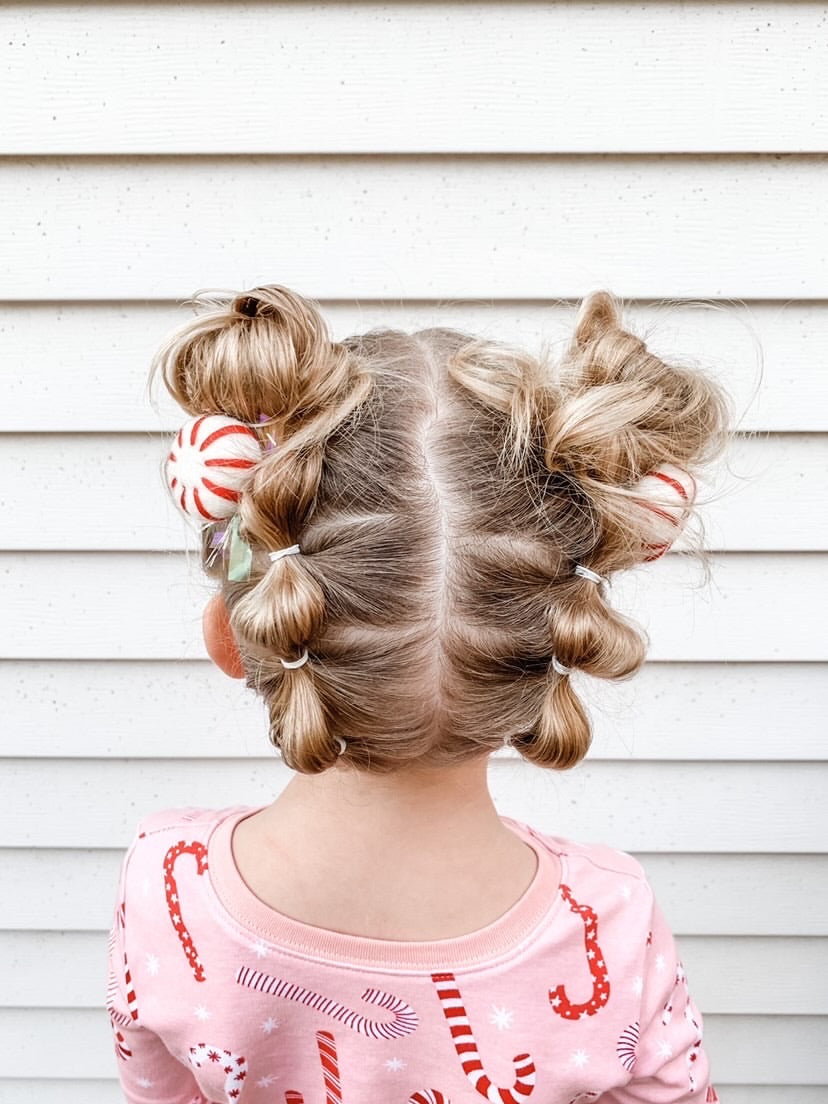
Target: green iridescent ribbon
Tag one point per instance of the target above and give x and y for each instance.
(240, 560)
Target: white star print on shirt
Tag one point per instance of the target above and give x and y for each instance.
(501, 1017)
(394, 1064)
(664, 1049)
(145, 1082)
(580, 1058)
(660, 963)
(637, 985)
(152, 965)
(201, 1013)
(259, 949)
(266, 1082)
(269, 1025)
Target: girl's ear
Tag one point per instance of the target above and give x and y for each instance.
(219, 639)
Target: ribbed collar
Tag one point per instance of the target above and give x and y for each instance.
(487, 945)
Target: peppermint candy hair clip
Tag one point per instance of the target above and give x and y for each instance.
(208, 464)
(669, 496)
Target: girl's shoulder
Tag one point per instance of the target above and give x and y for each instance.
(597, 858)
(183, 828)
(185, 816)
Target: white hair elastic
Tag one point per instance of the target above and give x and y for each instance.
(588, 573)
(294, 663)
(559, 667)
(294, 548)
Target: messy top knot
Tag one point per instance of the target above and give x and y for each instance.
(442, 489)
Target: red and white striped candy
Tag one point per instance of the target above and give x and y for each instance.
(669, 494)
(208, 464)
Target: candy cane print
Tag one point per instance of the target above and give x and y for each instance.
(330, 1072)
(627, 1045)
(667, 1011)
(233, 1067)
(330, 1067)
(405, 1018)
(118, 1019)
(173, 903)
(428, 1096)
(466, 1047)
(667, 1015)
(112, 985)
(597, 967)
(121, 1049)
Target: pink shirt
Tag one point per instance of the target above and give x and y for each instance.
(576, 993)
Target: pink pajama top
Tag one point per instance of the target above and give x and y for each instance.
(573, 995)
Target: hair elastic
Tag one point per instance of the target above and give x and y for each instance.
(294, 548)
(292, 664)
(588, 573)
(559, 667)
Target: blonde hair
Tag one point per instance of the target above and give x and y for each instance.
(442, 488)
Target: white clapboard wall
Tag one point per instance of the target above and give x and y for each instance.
(474, 164)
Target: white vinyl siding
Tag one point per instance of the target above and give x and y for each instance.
(482, 165)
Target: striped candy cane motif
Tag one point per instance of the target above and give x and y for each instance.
(667, 1015)
(121, 1049)
(118, 1019)
(405, 1018)
(428, 1096)
(627, 1046)
(597, 968)
(173, 903)
(112, 985)
(224, 1062)
(330, 1072)
(330, 1067)
(466, 1047)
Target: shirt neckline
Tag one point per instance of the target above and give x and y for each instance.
(485, 945)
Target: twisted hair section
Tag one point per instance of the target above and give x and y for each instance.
(266, 358)
(580, 435)
(441, 488)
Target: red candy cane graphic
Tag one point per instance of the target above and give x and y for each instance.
(404, 1022)
(466, 1047)
(118, 1019)
(428, 1096)
(597, 967)
(223, 1061)
(112, 987)
(667, 1015)
(173, 903)
(330, 1072)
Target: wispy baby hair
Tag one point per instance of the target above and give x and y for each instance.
(441, 488)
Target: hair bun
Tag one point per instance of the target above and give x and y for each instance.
(247, 304)
(208, 463)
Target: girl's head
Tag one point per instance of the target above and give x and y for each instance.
(442, 489)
